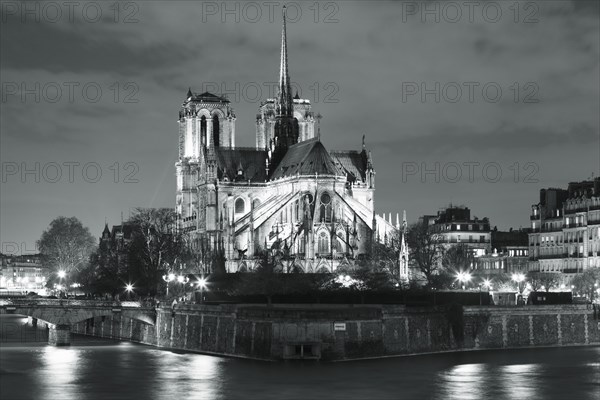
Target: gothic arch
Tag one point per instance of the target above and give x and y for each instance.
(203, 112)
(297, 269)
(299, 116)
(240, 206)
(216, 130)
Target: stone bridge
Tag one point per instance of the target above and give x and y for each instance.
(60, 315)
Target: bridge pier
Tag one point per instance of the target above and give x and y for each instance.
(59, 335)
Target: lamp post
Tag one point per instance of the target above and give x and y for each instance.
(168, 278)
(463, 278)
(129, 289)
(518, 278)
(61, 275)
(202, 285)
(183, 280)
(487, 284)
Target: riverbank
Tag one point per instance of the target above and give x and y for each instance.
(349, 332)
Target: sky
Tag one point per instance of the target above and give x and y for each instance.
(480, 104)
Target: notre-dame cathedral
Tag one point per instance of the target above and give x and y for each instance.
(288, 194)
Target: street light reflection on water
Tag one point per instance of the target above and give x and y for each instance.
(93, 368)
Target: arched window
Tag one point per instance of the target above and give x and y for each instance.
(339, 245)
(203, 130)
(323, 247)
(325, 209)
(255, 203)
(216, 130)
(240, 206)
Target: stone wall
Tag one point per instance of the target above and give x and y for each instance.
(337, 332)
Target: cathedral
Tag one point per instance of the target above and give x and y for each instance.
(287, 195)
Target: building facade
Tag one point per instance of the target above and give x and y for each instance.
(454, 225)
(287, 194)
(23, 273)
(509, 253)
(565, 229)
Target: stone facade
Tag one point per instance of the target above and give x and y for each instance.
(566, 229)
(288, 194)
(337, 332)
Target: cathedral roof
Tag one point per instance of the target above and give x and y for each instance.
(307, 158)
(206, 97)
(251, 161)
(353, 162)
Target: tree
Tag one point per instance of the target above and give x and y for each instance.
(380, 269)
(263, 280)
(543, 280)
(587, 283)
(426, 250)
(155, 244)
(458, 258)
(105, 270)
(66, 246)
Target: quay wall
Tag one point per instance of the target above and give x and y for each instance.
(346, 332)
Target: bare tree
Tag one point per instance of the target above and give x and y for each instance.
(458, 258)
(426, 250)
(155, 244)
(587, 283)
(543, 280)
(66, 245)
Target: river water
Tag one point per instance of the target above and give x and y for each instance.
(103, 369)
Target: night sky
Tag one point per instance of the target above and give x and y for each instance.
(360, 63)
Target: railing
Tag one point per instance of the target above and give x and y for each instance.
(75, 303)
(551, 256)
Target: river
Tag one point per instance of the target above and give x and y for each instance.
(94, 368)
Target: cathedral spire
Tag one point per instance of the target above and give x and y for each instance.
(284, 97)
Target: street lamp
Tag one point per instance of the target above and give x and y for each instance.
(61, 275)
(129, 289)
(463, 277)
(487, 284)
(518, 278)
(168, 278)
(183, 280)
(202, 285)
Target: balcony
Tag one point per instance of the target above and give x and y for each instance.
(552, 256)
(571, 271)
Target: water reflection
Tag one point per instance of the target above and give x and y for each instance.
(102, 369)
(189, 376)
(519, 380)
(466, 381)
(59, 371)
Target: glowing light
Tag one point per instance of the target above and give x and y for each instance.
(180, 279)
(62, 274)
(487, 284)
(129, 287)
(201, 283)
(171, 277)
(347, 280)
(518, 277)
(463, 277)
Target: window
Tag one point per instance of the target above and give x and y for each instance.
(202, 129)
(240, 206)
(323, 243)
(216, 130)
(325, 209)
